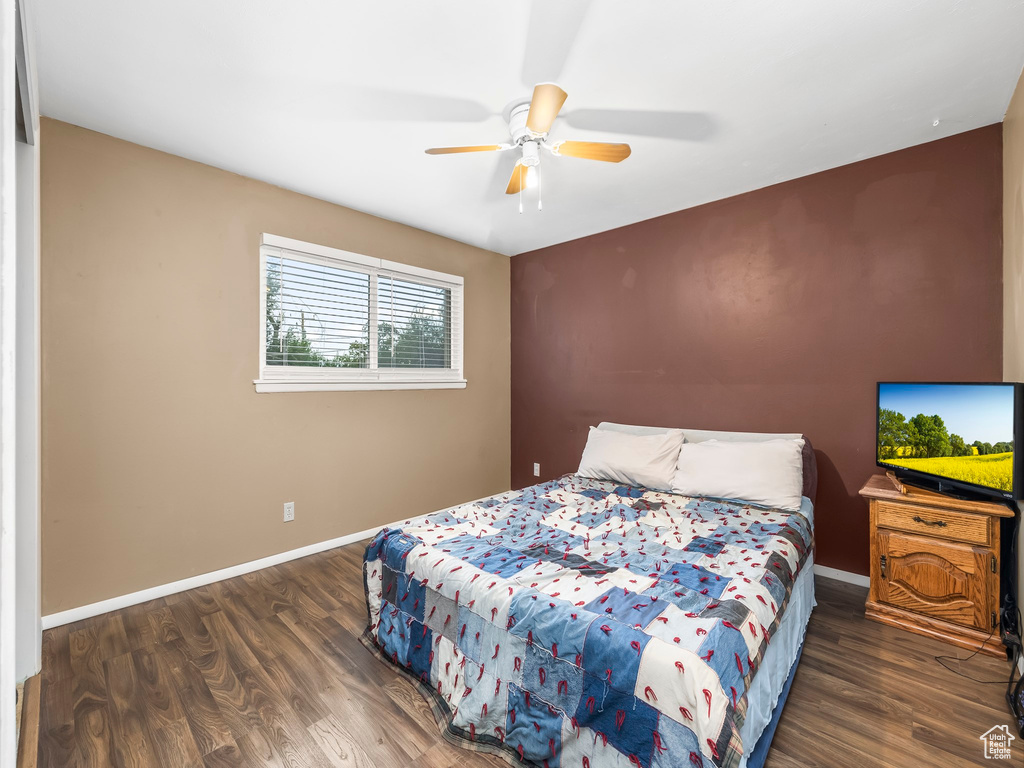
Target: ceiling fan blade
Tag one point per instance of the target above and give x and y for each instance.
(592, 150)
(683, 126)
(478, 148)
(547, 99)
(517, 182)
(333, 101)
(550, 37)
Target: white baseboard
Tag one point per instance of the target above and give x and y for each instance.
(835, 573)
(163, 590)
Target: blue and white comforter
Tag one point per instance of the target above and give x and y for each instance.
(585, 624)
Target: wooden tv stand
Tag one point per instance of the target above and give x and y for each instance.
(935, 564)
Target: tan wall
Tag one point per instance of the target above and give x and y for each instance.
(159, 460)
(1013, 237)
(1013, 264)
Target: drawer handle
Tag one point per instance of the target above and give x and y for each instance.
(919, 519)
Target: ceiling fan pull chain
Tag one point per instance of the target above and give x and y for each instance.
(540, 190)
(521, 197)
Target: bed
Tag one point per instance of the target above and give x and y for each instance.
(587, 623)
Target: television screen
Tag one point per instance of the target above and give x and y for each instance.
(959, 432)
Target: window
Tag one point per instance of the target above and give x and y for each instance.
(333, 320)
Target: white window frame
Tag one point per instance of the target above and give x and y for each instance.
(295, 378)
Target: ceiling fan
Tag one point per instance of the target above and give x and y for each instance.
(528, 124)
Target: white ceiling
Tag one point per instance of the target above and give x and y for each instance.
(338, 99)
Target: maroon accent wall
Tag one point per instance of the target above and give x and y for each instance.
(776, 310)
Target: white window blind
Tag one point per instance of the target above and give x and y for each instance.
(331, 319)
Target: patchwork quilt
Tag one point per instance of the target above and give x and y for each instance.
(586, 624)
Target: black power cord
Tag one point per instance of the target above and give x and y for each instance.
(1012, 624)
(1015, 694)
(942, 663)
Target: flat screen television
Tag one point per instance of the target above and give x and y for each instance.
(958, 439)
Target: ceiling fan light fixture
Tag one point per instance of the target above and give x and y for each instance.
(529, 122)
(531, 153)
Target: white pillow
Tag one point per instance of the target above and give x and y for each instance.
(644, 460)
(768, 473)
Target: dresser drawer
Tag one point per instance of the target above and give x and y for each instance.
(928, 521)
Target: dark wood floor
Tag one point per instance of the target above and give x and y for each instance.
(266, 670)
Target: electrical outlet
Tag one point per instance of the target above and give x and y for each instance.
(536, 470)
(289, 511)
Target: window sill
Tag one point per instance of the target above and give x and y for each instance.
(277, 385)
